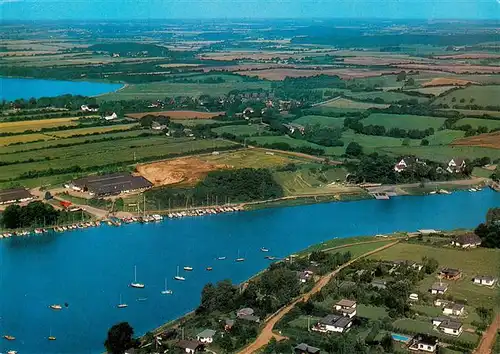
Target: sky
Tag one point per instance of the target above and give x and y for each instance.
(204, 9)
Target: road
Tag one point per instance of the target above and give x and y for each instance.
(267, 332)
(488, 339)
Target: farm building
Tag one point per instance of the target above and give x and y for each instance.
(424, 343)
(450, 273)
(346, 307)
(303, 348)
(111, 184)
(15, 195)
(467, 241)
(484, 280)
(333, 323)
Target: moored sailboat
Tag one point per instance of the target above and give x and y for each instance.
(167, 291)
(121, 305)
(178, 277)
(135, 284)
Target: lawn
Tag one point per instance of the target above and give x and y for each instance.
(25, 138)
(335, 242)
(445, 137)
(251, 158)
(478, 95)
(35, 125)
(323, 121)
(442, 153)
(296, 143)
(471, 263)
(158, 90)
(302, 321)
(91, 130)
(433, 90)
(358, 250)
(417, 326)
(478, 122)
(403, 121)
(242, 130)
(371, 312)
(372, 142)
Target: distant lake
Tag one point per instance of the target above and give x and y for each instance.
(11, 88)
(90, 269)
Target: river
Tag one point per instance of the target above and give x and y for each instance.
(13, 88)
(89, 269)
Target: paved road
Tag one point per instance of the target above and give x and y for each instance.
(488, 340)
(267, 332)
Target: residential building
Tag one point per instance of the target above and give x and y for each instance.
(15, 195)
(305, 276)
(110, 116)
(484, 280)
(157, 126)
(303, 348)
(469, 240)
(456, 165)
(450, 273)
(454, 309)
(448, 325)
(413, 297)
(346, 307)
(89, 108)
(293, 127)
(206, 336)
(228, 324)
(425, 343)
(378, 283)
(407, 263)
(438, 288)
(405, 163)
(246, 311)
(190, 346)
(333, 323)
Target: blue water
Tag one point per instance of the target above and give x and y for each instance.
(400, 337)
(11, 88)
(90, 268)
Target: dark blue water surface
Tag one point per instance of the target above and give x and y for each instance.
(12, 88)
(89, 269)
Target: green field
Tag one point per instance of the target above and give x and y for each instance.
(480, 95)
(475, 113)
(336, 242)
(296, 143)
(371, 142)
(387, 96)
(323, 121)
(159, 90)
(477, 122)
(445, 137)
(91, 130)
(371, 312)
(403, 121)
(471, 263)
(358, 250)
(193, 122)
(344, 103)
(251, 158)
(442, 153)
(240, 130)
(24, 138)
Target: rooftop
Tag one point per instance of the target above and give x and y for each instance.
(485, 277)
(455, 307)
(114, 183)
(469, 238)
(425, 339)
(439, 286)
(307, 348)
(188, 344)
(207, 333)
(245, 311)
(450, 271)
(14, 194)
(346, 303)
(451, 324)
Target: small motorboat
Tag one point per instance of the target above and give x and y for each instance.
(51, 338)
(142, 299)
(12, 352)
(188, 269)
(263, 249)
(9, 337)
(55, 307)
(209, 269)
(239, 259)
(221, 258)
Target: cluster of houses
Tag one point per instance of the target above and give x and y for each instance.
(340, 321)
(455, 165)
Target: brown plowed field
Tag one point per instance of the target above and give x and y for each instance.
(186, 170)
(444, 81)
(179, 114)
(490, 140)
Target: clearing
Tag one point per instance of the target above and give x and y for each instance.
(403, 121)
(178, 114)
(490, 140)
(443, 153)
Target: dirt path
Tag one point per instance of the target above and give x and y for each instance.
(267, 332)
(488, 339)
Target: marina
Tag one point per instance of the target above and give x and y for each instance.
(96, 263)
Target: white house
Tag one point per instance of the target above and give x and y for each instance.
(346, 307)
(448, 326)
(405, 163)
(454, 309)
(89, 108)
(484, 280)
(305, 276)
(190, 346)
(110, 116)
(413, 297)
(469, 240)
(456, 165)
(333, 323)
(206, 336)
(438, 288)
(424, 343)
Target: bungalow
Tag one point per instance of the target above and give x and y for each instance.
(438, 288)
(484, 280)
(346, 307)
(303, 348)
(305, 276)
(405, 163)
(454, 309)
(206, 336)
(424, 342)
(190, 346)
(110, 116)
(469, 240)
(333, 323)
(440, 302)
(448, 326)
(246, 311)
(456, 165)
(450, 273)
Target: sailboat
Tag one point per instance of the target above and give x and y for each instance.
(135, 284)
(51, 337)
(55, 307)
(240, 259)
(9, 337)
(121, 305)
(178, 277)
(263, 249)
(167, 291)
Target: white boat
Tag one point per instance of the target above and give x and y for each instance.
(178, 277)
(135, 284)
(221, 258)
(240, 259)
(51, 337)
(263, 249)
(188, 268)
(444, 191)
(167, 291)
(55, 307)
(121, 305)
(472, 190)
(12, 352)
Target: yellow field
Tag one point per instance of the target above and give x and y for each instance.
(249, 158)
(26, 138)
(18, 127)
(87, 131)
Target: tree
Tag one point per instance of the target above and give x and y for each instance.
(485, 314)
(401, 76)
(354, 149)
(406, 142)
(424, 142)
(387, 343)
(120, 338)
(11, 217)
(430, 265)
